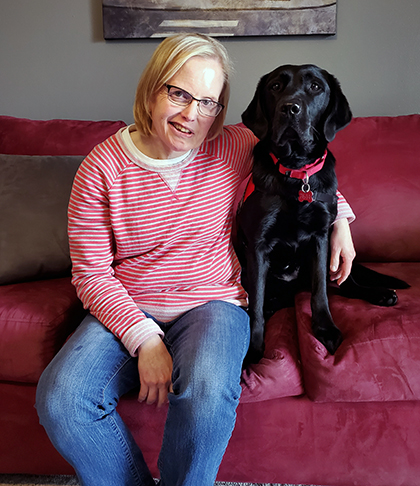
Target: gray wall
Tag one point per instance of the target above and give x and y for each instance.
(54, 62)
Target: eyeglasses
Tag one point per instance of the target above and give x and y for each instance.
(206, 107)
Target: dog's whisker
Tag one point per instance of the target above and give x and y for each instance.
(315, 133)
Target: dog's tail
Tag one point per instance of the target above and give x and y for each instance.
(374, 287)
(370, 278)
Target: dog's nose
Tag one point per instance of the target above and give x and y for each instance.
(291, 109)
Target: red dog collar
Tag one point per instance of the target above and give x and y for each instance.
(304, 172)
(305, 194)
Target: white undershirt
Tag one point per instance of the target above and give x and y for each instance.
(168, 169)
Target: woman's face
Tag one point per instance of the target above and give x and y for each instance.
(178, 129)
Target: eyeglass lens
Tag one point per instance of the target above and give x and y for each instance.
(206, 107)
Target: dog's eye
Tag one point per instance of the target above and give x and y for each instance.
(275, 86)
(315, 86)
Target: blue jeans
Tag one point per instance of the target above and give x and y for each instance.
(78, 393)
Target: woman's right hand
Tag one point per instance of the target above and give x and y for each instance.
(155, 371)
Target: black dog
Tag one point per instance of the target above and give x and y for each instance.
(284, 224)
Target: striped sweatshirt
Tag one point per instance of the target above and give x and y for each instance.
(157, 240)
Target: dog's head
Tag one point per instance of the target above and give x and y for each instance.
(296, 108)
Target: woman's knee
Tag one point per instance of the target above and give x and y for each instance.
(86, 378)
(53, 397)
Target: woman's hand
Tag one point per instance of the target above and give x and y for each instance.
(155, 371)
(342, 251)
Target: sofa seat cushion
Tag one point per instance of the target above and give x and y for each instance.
(35, 320)
(279, 372)
(53, 137)
(379, 359)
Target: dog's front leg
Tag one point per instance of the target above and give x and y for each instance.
(323, 325)
(257, 268)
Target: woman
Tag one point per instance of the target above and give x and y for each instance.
(150, 219)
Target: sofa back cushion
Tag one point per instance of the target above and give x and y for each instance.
(38, 161)
(378, 160)
(34, 195)
(53, 137)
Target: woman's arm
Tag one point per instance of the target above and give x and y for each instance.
(341, 243)
(92, 253)
(342, 251)
(155, 371)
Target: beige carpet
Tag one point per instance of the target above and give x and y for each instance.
(24, 480)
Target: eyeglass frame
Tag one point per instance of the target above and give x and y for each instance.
(193, 98)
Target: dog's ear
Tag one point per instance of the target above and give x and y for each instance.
(339, 113)
(254, 117)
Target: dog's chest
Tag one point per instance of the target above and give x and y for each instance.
(292, 223)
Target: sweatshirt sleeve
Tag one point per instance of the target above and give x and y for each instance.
(235, 146)
(343, 209)
(92, 254)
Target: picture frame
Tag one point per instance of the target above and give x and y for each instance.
(136, 19)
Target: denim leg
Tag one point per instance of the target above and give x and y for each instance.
(208, 345)
(76, 400)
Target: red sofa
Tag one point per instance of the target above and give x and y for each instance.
(304, 416)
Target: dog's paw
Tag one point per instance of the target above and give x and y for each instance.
(256, 344)
(383, 297)
(255, 353)
(253, 356)
(331, 337)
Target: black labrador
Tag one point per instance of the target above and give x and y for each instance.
(284, 223)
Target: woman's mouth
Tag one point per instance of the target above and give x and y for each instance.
(181, 128)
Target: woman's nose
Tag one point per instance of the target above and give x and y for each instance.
(191, 111)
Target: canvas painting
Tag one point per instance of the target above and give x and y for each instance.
(134, 19)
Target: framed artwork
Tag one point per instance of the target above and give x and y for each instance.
(134, 19)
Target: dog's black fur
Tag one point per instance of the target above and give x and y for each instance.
(282, 242)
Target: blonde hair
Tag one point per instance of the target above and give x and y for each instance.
(169, 57)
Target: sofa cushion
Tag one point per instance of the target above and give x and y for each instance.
(35, 320)
(379, 359)
(53, 137)
(279, 373)
(377, 166)
(34, 195)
